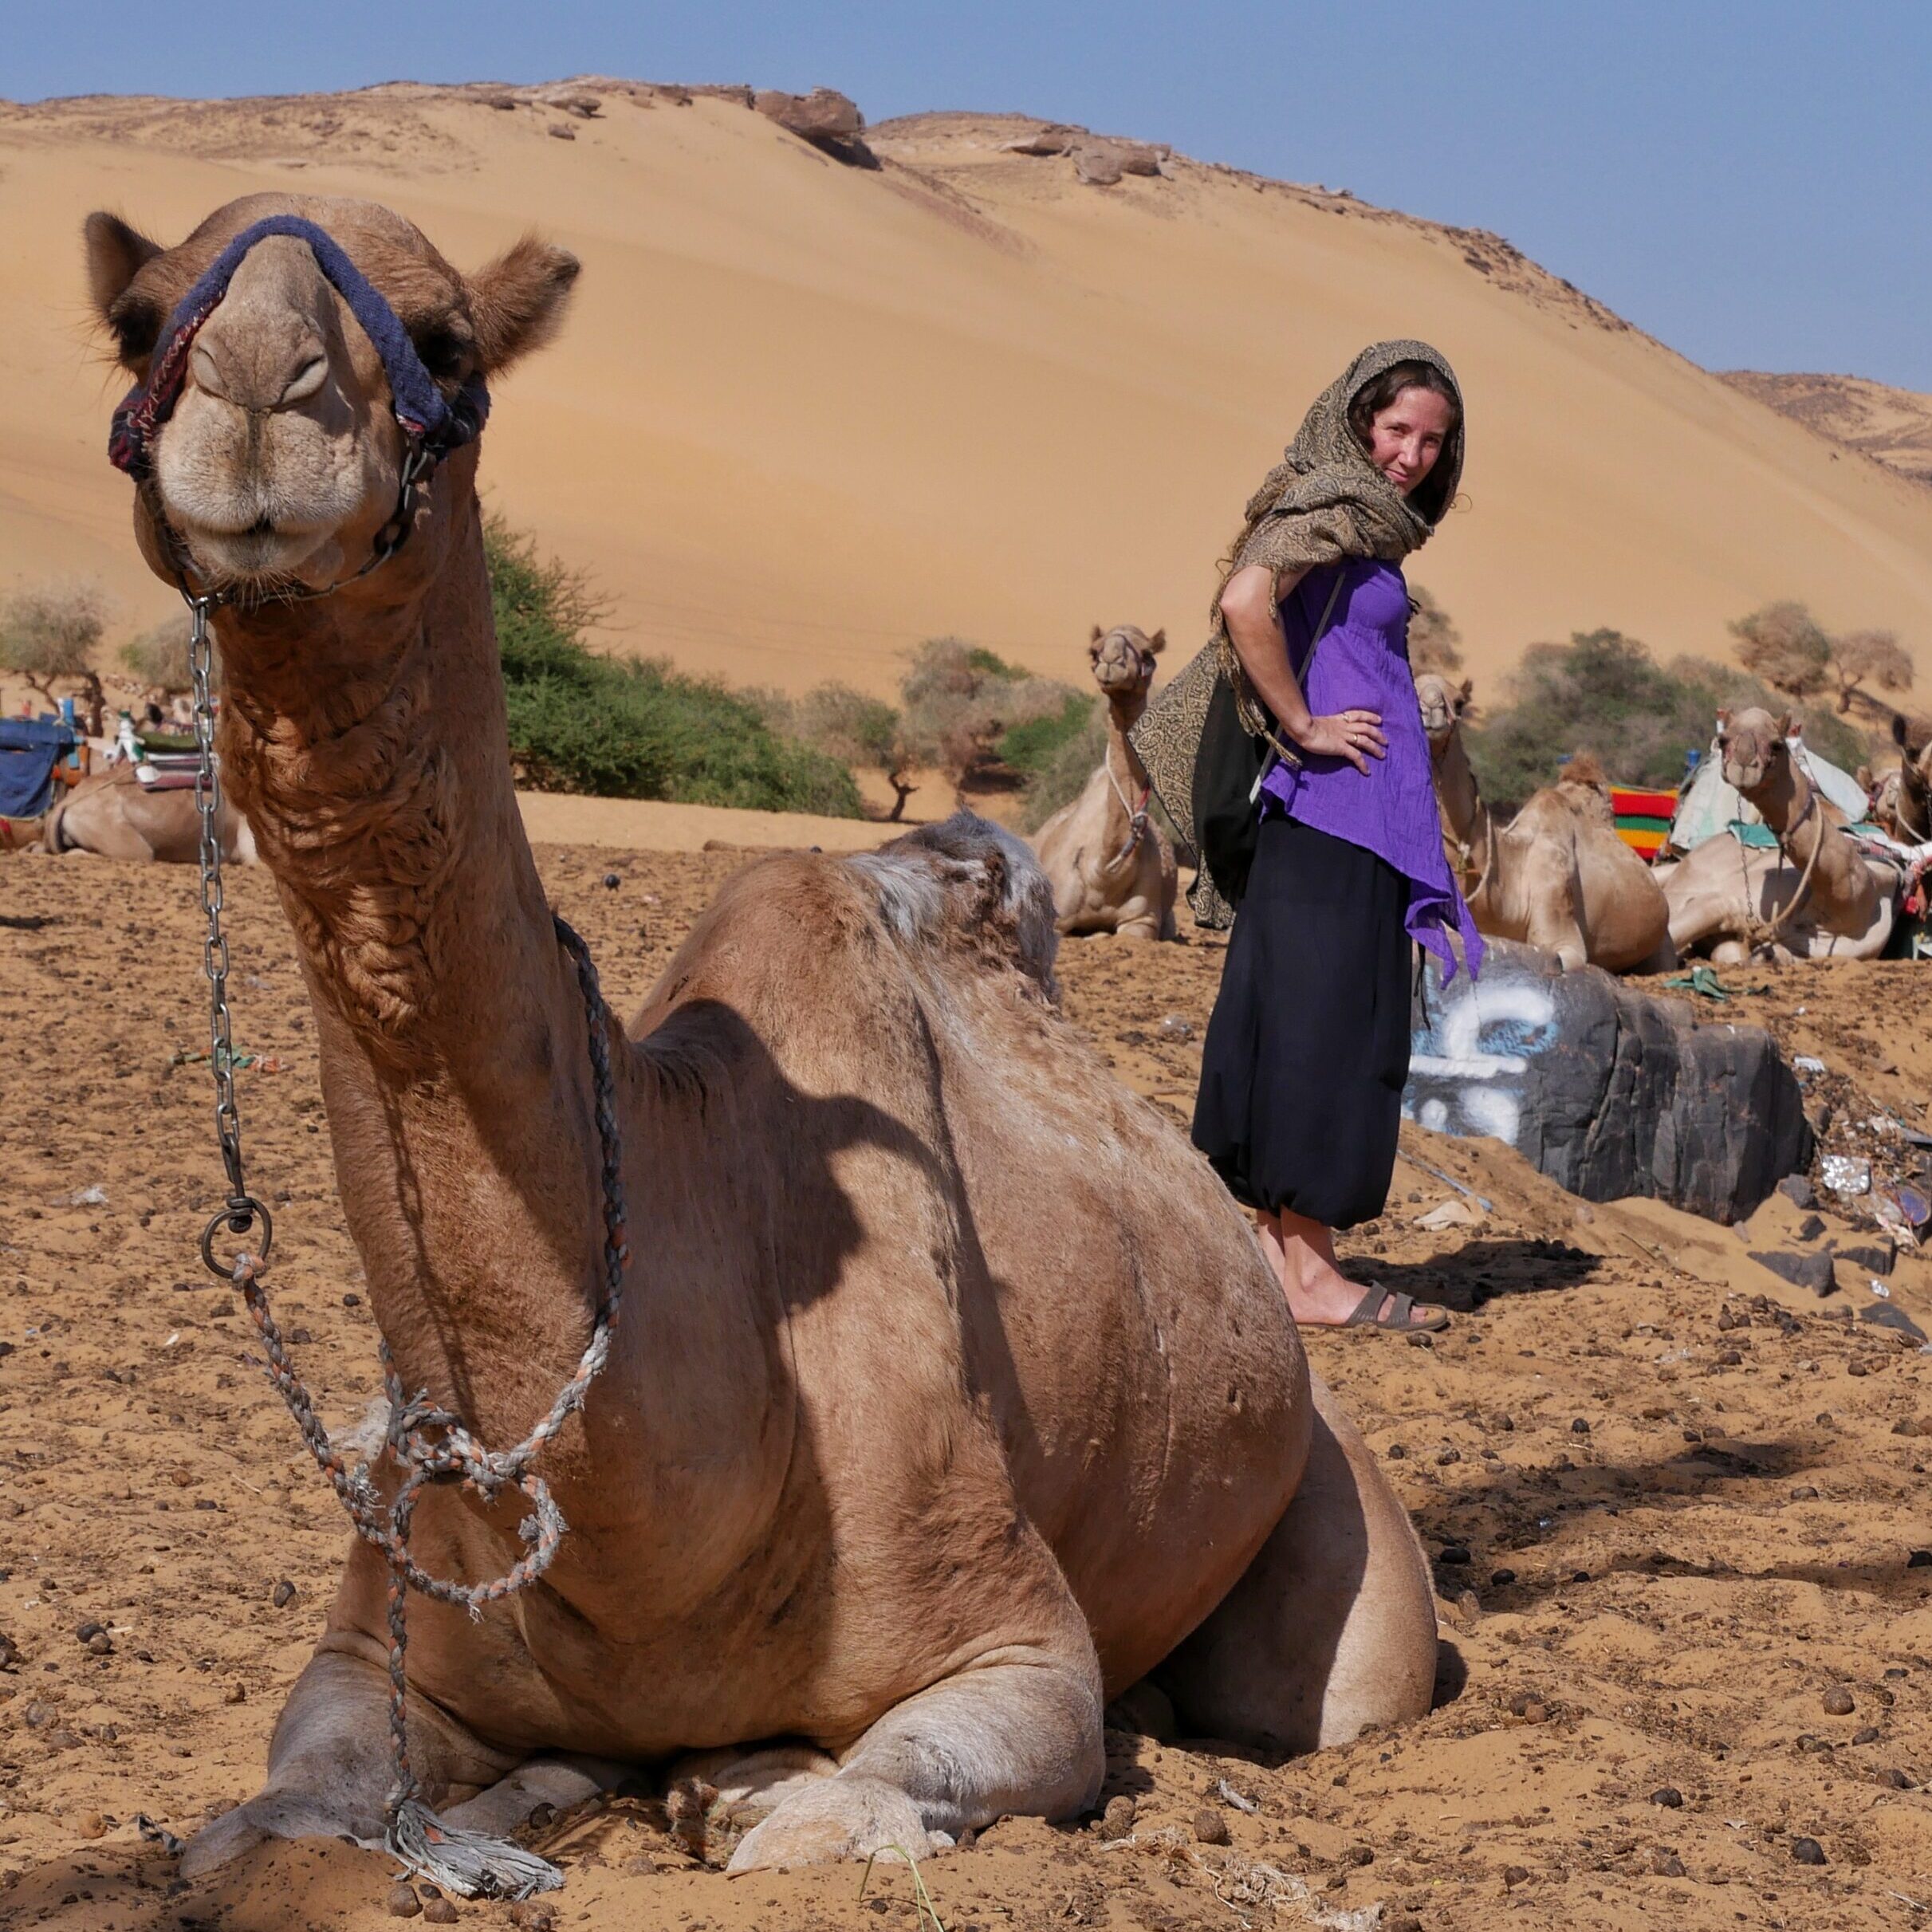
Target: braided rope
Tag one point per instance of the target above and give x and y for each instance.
(430, 1445)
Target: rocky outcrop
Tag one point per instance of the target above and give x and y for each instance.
(1605, 1089)
(1101, 163)
(825, 117)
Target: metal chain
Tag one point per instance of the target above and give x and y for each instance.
(243, 1213)
(430, 1444)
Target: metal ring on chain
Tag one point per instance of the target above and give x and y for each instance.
(237, 1218)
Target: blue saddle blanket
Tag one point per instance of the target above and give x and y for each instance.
(30, 748)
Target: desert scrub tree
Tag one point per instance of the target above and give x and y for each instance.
(158, 656)
(1434, 643)
(1603, 693)
(1861, 659)
(1786, 647)
(632, 727)
(50, 634)
(980, 720)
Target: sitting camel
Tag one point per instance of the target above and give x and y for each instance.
(1557, 875)
(1110, 868)
(952, 1394)
(1810, 896)
(1912, 811)
(111, 812)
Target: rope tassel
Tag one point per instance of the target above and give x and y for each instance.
(471, 1864)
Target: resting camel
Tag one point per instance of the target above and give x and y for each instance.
(951, 1394)
(112, 813)
(1110, 868)
(1557, 875)
(1811, 896)
(1913, 813)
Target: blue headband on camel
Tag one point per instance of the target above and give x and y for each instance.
(436, 422)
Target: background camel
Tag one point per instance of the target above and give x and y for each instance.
(1557, 875)
(951, 1393)
(112, 813)
(1110, 868)
(1913, 810)
(1810, 896)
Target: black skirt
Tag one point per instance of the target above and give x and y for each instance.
(1308, 1049)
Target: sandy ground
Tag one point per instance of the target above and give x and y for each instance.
(803, 415)
(1674, 1502)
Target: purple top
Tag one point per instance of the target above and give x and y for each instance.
(1363, 665)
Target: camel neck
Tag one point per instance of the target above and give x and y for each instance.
(1123, 714)
(366, 741)
(1466, 817)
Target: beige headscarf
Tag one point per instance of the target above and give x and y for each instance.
(1325, 501)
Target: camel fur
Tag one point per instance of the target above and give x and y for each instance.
(112, 813)
(951, 1393)
(1812, 897)
(1110, 868)
(1557, 875)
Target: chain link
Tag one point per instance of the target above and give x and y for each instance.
(241, 1213)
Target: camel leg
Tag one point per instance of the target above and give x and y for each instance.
(328, 1763)
(1017, 1732)
(1331, 1627)
(560, 1781)
(1147, 928)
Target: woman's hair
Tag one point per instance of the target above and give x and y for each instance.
(1429, 496)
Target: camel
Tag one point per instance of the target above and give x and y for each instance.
(1811, 896)
(112, 813)
(1111, 869)
(1913, 811)
(951, 1394)
(1557, 875)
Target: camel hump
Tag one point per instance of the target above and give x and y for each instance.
(968, 884)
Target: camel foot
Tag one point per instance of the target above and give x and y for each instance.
(278, 1814)
(506, 1807)
(840, 1817)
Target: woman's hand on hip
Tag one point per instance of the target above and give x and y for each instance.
(1353, 735)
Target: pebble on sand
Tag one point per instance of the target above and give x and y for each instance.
(1117, 1820)
(1837, 1701)
(440, 1912)
(1669, 1796)
(283, 1593)
(1807, 1852)
(1210, 1827)
(401, 1902)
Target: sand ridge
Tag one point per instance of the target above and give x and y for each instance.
(805, 414)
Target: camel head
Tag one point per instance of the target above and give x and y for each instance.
(281, 459)
(1753, 747)
(1915, 776)
(1443, 705)
(1123, 658)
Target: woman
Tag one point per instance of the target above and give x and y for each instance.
(1308, 1048)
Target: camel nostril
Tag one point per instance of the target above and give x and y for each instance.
(305, 382)
(207, 372)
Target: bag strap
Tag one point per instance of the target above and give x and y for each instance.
(1276, 748)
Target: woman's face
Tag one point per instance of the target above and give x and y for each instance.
(1406, 439)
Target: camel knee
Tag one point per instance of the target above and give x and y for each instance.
(1333, 1628)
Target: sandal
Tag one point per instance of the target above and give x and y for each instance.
(1402, 1310)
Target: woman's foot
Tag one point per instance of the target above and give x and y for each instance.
(1319, 1295)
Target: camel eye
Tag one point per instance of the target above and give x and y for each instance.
(443, 353)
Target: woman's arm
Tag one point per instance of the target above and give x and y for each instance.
(1250, 605)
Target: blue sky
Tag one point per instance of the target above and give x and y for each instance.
(1745, 180)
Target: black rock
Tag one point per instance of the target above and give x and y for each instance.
(1884, 1315)
(1502, 1579)
(611, 882)
(1710, 1118)
(1919, 1560)
(1669, 1796)
(1810, 1228)
(1455, 1555)
(1807, 1852)
(1812, 1271)
(1579, 1427)
(1875, 1258)
(1796, 1189)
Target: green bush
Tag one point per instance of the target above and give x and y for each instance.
(1062, 776)
(1604, 693)
(633, 728)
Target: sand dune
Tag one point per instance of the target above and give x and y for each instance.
(806, 413)
(1893, 427)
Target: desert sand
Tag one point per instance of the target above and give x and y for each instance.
(805, 414)
(1893, 427)
(1674, 1502)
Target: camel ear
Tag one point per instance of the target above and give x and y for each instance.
(1157, 643)
(516, 303)
(1465, 692)
(1724, 722)
(1787, 724)
(1862, 778)
(1098, 634)
(1898, 731)
(116, 254)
